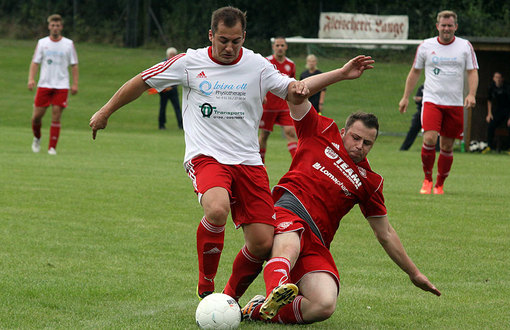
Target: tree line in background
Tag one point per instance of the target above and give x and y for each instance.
(185, 23)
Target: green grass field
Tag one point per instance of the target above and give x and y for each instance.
(103, 234)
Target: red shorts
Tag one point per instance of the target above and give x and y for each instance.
(46, 96)
(447, 120)
(247, 186)
(314, 256)
(272, 117)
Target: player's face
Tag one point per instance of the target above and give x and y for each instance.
(358, 140)
(227, 42)
(55, 28)
(446, 28)
(279, 47)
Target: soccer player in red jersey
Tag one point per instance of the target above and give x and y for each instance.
(445, 59)
(54, 54)
(328, 176)
(276, 110)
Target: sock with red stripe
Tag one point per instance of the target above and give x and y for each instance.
(36, 128)
(210, 240)
(245, 269)
(428, 157)
(292, 146)
(54, 134)
(276, 272)
(288, 314)
(444, 164)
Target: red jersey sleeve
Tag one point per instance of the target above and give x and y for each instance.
(374, 207)
(311, 124)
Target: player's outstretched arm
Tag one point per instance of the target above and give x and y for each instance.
(388, 238)
(351, 70)
(411, 80)
(129, 92)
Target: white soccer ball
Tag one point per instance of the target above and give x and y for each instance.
(474, 146)
(218, 311)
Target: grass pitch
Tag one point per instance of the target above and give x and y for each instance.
(103, 234)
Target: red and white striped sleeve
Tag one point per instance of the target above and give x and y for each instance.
(165, 74)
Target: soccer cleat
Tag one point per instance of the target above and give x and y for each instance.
(52, 151)
(426, 187)
(279, 297)
(36, 145)
(486, 150)
(203, 294)
(438, 190)
(247, 311)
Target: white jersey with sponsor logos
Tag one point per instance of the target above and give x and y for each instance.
(221, 103)
(445, 66)
(54, 57)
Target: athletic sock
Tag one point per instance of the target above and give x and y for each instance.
(428, 157)
(288, 314)
(36, 128)
(210, 240)
(292, 146)
(263, 154)
(54, 134)
(444, 164)
(245, 269)
(276, 272)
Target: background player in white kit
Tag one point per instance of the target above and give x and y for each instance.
(223, 88)
(445, 59)
(328, 176)
(55, 54)
(276, 110)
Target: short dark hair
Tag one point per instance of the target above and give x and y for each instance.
(368, 119)
(229, 16)
(55, 18)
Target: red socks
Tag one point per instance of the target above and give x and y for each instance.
(288, 314)
(54, 133)
(245, 269)
(292, 146)
(210, 240)
(428, 156)
(263, 155)
(444, 164)
(276, 272)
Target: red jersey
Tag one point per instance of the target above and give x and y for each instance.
(324, 178)
(287, 68)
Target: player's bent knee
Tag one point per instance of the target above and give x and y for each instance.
(322, 311)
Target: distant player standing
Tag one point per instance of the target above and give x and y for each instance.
(445, 59)
(55, 54)
(223, 88)
(276, 110)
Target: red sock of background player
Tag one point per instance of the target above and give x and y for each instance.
(263, 155)
(428, 156)
(292, 146)
(245, 269)
(210, 240)
(288, 314)
(276, 272)
(36, 128)
(54, 134)
(444, 164)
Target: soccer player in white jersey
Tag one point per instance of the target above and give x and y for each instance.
(54, 54)
(223, 88)
(445, 59)
(328, 176)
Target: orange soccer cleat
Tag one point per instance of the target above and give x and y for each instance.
(426, 187)
(438, 190)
